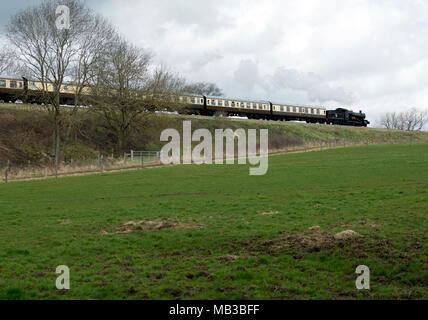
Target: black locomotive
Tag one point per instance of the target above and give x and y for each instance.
(346, 118)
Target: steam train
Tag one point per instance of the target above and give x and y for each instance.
(14, 88)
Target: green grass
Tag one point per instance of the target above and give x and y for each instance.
(379, 191)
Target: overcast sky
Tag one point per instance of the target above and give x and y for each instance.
(364, 54)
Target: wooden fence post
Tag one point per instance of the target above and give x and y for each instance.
(6, 172)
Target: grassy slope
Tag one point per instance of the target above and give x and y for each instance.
(25, 135)
(379, 191)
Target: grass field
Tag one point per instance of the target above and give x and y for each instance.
(214, 232)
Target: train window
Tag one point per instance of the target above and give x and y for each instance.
(226, 103)
(294, 109)
(20, 85)
(3, 83)
(13, 84)
(192, 100)
(65, 88)
(220, 103)
(255, 106)
(282, 108)
(261, 107)
(213, 102)
(318, 111)
(233, 104)
(248, 106)
(303, 110)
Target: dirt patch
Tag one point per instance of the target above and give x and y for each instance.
(305, 241)
(345, 235)
(310, 240)
(152, 226)
(228, 258)
(64, 222)
(360, 247)
(270, 213)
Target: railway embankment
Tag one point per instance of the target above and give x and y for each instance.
(26, 135)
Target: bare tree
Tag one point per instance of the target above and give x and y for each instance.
(203, 88)
(7, 61)
(51, 55)
(126, 87)
(92, 45)
(389, 120)
(410, 120)
(4, 61)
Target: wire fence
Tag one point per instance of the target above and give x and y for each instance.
(146, 159)
(70, 167)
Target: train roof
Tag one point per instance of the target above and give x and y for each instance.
(299, 105)
(235, 99)
(12, 77)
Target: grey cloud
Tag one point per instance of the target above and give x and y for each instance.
(206, 58)
(204, 17)
(317, 89)
(9, 8)
(247, 74)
